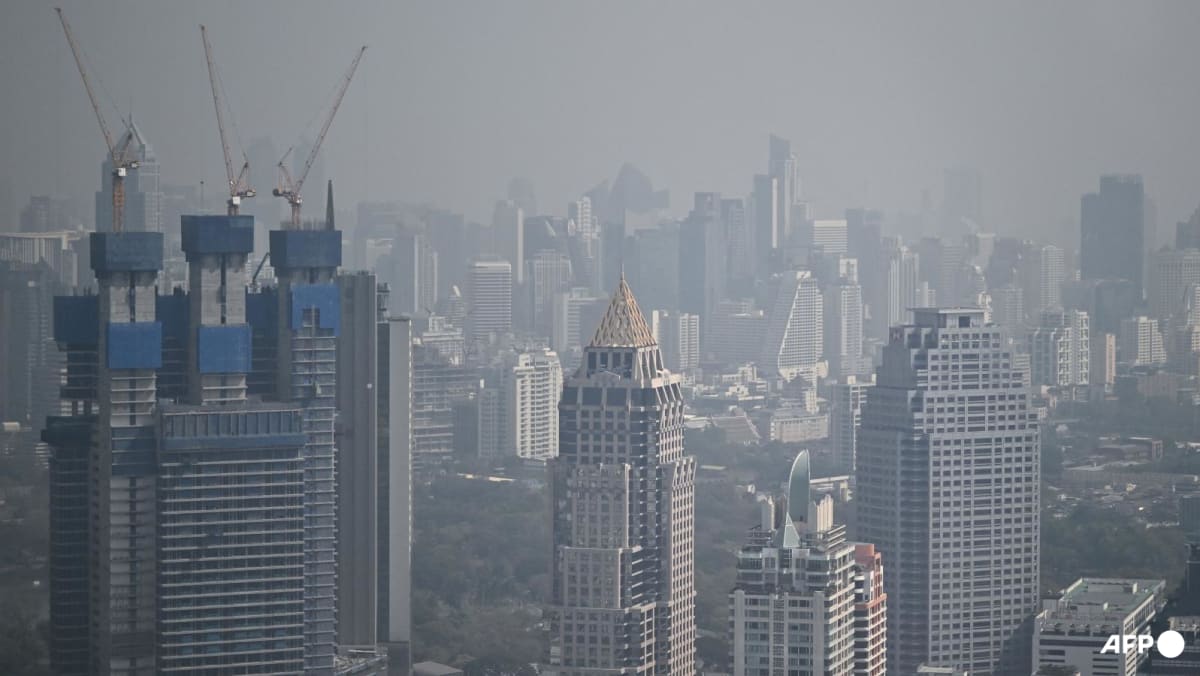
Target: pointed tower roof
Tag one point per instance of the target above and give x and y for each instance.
(623, 324)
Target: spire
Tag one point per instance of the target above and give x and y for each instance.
(329, 206)
(623, 324)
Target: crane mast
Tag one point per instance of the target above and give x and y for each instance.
(288, 188)
(119, 156)
(239, 187)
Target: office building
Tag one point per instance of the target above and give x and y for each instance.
(702, 252)
(739, 242)
(678, 336)
(440, 389)
(508, 232)
(1141, 342)
(948, 491)
(864, 242)
(735, 333)
(901, 286)
(843, 308)
(1008, 307)
(1112, 231)
(622, 596)
(767, 229)
(826, 237)
(1043, 274)
(1072, 629)
(793, 346)
(491, 292)
(569, 307)
(792, 608)
(549, 274)
(143, 197)
(410, 269)
(845, 417)
(942, 261)
(782, 166)
(1172, 275)
(518, 411)
(653, 265)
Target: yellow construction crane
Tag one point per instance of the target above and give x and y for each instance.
(239, 187)
(289, 189)
(122, 158)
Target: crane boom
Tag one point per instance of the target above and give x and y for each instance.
(120, 158)
(238, 188)
(289, 189)
(87, 84)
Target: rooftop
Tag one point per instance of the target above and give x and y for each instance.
(1103, 598)
(623, 324)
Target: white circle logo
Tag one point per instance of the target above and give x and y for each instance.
(1170, 644)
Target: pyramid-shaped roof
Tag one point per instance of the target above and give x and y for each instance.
(623, 324)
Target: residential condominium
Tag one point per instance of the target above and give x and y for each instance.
(801, 595)
(948, 491)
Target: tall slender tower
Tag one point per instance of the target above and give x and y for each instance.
(948, 490)
(622, 591)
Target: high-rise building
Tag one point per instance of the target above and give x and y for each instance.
(1008, 307)
(782, 165)
(549, 274)
(678, 336)
(653, 265)
(901, 285)
(143, 199)
(411, 272)
(844, 322)
(393, 544)
(491, 289)
(565, 336)
(1071, 631)
(827, 237)
(1102, 359)
(1171, 275)
(1112, 231)
(870, 612)
(948, 491)
(739, 242)
(864, 242)
(795, 328)
(1042, 279)
(942, 260)
(962, 202)
(845, 418)
(1059, 349)
(1141, 342)
(508, 231)
(702, 254)
(521, 419)
(767, 229)
(792, 608)
(30, 363)
(621, 507)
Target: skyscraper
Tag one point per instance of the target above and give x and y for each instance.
(411, 272)
(491, 288)
(793, 345)
(767, 241)
(948, 491)
(1042, 279)
(1112, 228)
(702, 256)
(678, 335)
(844, 322)
(1141, 342)
(621, 510)
(508, 230)
(143, 199)
(901, 283)
(864, 242)
(845, 418)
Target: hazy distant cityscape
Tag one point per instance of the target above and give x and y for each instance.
(306, 420)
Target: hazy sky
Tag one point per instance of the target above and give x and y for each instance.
(455, 98)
